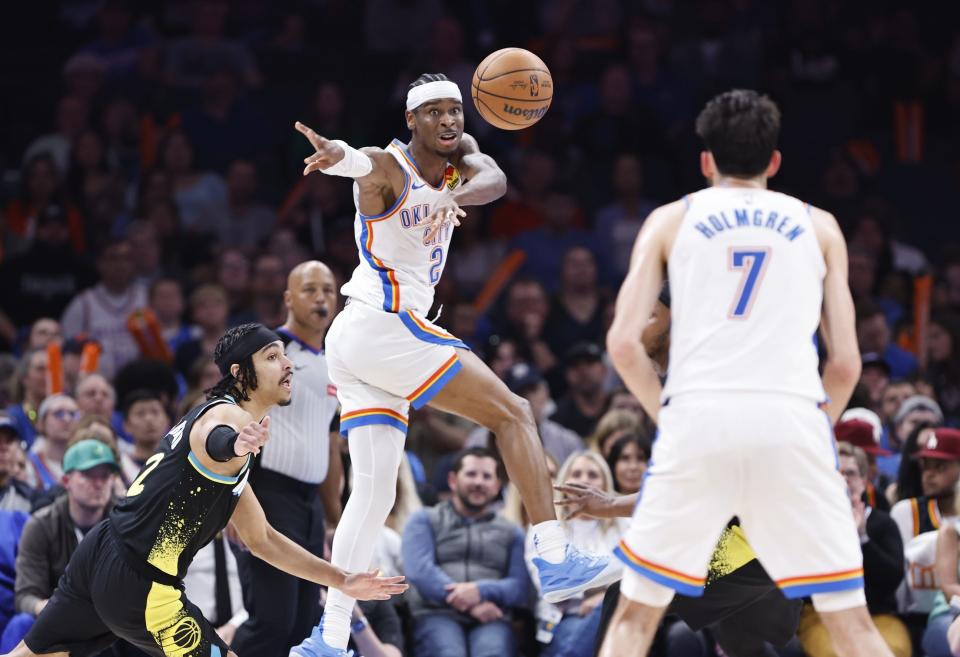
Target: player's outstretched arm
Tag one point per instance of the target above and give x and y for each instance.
(338, 158)
(841, 371)
(635, 302)
(485, 182)
(280, 552)
(584, 501)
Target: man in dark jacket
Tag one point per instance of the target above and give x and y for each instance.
(51, 536)
(466, 566)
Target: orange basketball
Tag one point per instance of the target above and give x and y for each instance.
(512, 88)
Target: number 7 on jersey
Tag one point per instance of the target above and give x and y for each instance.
(752, 263)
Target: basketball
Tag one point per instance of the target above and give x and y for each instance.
(512, 88)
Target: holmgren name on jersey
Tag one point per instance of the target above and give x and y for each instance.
(744, 218)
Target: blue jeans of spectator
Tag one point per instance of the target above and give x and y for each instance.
(443, 636)
(935, 636)
(574, 636)
(16, 629)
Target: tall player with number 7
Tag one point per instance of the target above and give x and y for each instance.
(745, 417)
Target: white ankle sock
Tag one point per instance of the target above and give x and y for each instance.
(551, 540)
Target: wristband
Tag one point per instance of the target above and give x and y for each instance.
(353, 165)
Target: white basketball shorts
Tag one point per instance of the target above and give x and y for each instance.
(768, 459)
(382, 363)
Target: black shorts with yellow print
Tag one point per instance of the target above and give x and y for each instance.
(101, 598)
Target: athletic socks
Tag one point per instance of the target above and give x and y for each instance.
(550, 540)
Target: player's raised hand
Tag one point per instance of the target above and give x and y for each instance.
(582, 501)
(252, 437)
(445, 211)
(327, 153)
(369, 586)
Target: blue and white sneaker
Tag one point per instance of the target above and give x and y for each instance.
(578, 572)
(315, 646)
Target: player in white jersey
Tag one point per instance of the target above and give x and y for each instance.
(753, 274)
(385, 355)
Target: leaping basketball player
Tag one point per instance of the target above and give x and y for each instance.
(753, 273)
(384, 355)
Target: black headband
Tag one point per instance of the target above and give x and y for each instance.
(247, 345)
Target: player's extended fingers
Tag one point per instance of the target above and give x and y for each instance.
(435, 224)
(319, 165)
(315, 139)
(572, 492)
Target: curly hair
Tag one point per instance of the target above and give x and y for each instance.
(239, 386)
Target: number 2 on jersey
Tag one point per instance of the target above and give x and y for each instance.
(752, 263)
(436, 257)
(137, 486)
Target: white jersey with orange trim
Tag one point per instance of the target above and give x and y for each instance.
(399, 266)
(746, 285)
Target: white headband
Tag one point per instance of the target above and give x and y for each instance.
(436, 90)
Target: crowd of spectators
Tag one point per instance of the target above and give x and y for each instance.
(151, 197)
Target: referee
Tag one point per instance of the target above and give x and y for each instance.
(298, 474)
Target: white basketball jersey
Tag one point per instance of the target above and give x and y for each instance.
(398, 266)
(746, 287)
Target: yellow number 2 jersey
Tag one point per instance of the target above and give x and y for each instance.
(175, 506)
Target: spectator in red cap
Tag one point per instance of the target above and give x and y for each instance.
(860, 433)
(919, 518)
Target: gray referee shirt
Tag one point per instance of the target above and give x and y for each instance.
(299, 445)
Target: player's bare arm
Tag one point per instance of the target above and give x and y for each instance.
(211, 437)
(484, 182)
(635, 302)
(837, 323)
(378, 176)
(280, 552)
(584, 501)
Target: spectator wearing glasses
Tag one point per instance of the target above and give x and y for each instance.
(57, 418)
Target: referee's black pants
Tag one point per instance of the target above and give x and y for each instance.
(283, 609)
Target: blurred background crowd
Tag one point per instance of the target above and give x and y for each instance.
(151, 197)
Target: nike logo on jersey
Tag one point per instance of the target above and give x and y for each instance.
(416, 186)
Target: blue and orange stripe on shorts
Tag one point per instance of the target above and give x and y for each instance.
(803, 586)
(674, 579)
(368, 416)
(434, 383)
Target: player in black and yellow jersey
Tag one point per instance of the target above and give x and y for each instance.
(125, 579)
(741, 605)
